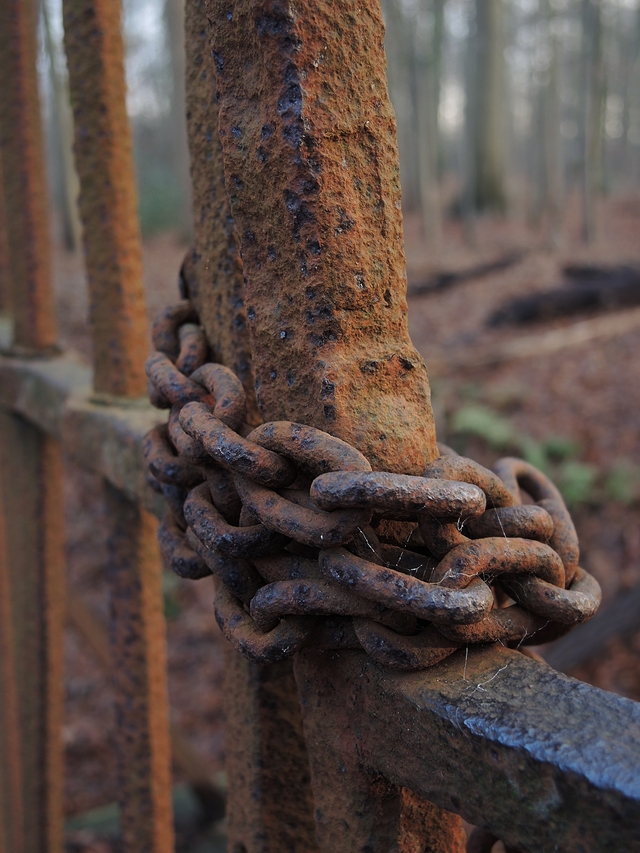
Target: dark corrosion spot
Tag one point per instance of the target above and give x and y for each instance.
(250, 236)
(360, 281)
(261, 154)
(310, 186)
(236, 132)
(369, 367)
(344, 223)
(292, 134)
(219, 61)
(238, 182)
(303, 268)
(267, 131)
(405, 363)
(314, 247)
(330, 413)
(271, 253)
(387, 297)
(292, 200)
(290, 102)
(251, 312)
(310, 317)
(274, 374)
(383, 437)
(327, 389)
(310, 293)
(291, 378)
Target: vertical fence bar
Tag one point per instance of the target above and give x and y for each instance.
(11, 797)
(25, 187)
(31, 463)
(113, 254)
(32, 496)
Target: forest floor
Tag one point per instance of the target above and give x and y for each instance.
(572, 408)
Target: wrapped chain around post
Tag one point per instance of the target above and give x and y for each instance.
(311, 547)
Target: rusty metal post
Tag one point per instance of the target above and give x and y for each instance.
(311, 165)
(311, 171)
(25, 186)
(269, 801)
(11, 795)
(31, 465)
(113, 253)
(108, 201)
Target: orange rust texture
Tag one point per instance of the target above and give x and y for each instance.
(425, 828)
(5, 296)
(214, 267)
(311, 166)
(104, 160)
(139, 674)
(31, 465)
(25, 186)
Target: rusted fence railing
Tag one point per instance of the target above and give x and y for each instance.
(295, 181)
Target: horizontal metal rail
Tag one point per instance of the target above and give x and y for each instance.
(56, 396)
(544, 761)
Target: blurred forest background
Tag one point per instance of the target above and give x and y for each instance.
(519, 137)
(503, 106)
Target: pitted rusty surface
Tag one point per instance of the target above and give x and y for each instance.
(311, 545)
(25, 184)
(310, 158)
(212, 271)
(108, 198)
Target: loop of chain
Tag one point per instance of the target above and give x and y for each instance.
(312, 547)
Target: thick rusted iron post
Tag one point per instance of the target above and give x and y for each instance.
(25, 186)
(311, 170)
(269, 802)
(311, 164)
(113, 254)
(31, 465)
(108, 202)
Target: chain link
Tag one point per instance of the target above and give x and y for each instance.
(311, 546)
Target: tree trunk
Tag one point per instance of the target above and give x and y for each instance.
(486, 90)
(68, 183)
(593, 104)
(428, 59)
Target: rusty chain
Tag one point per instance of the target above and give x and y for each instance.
(313, 547)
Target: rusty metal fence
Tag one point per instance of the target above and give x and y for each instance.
(366, 713)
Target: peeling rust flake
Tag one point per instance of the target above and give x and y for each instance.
(309, 144)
